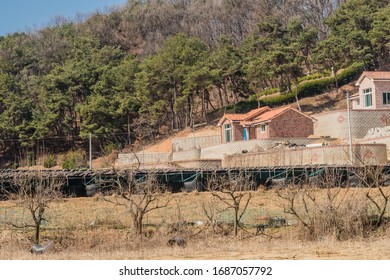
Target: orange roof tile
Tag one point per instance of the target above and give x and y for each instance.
(235, 117)
(271, 114)
(374, 75)
(247, 117)
(256, 112)
(377, 75)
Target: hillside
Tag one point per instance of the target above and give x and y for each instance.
(123, 78)
(325, 102)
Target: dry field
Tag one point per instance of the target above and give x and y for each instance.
(91, 228)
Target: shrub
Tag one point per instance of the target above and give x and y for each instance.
(50, 161)
(263, 93)
(349, 74)
(311, 77)
(75, 160)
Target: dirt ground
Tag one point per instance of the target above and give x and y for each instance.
(91, 228)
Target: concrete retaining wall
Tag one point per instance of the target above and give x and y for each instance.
(331, 155)
(335, 123)
(186, 155)
(200, 164)
(219, 151)
(379, 140)
(143, 158)
(190, 143)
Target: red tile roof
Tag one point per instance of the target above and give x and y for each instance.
(245, 117)
(258, 115)
(271, 114)
(374, 75)
(235, 117)
(256, 112)
(377, 75)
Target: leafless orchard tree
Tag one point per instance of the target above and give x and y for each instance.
(325, 207)
(34, 192)
(373, 179)
(233, 190)
(139, 196)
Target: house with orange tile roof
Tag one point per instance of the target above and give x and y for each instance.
(374, 91)
(266, 123)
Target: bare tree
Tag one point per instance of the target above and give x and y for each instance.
(34, 192)
(139, 196)
(373, 179)
(326, 206)
(233, 190)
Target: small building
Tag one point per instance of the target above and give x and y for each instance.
(374, 91)
(266, 123)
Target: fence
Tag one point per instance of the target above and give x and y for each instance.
(335, 123)
(374, 154)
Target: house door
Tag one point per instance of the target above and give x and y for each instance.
(246, 135)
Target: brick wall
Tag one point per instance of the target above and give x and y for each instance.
(290, 124)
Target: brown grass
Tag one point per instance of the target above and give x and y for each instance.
(89, 228)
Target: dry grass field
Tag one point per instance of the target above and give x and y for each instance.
(91, 228)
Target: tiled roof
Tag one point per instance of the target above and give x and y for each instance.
(374, 75)
(377, 75)
(271, 114)
(248, 116)
(256, 112)
(235, 117)
(258, 115)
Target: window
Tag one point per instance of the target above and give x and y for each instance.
(367, 94)
(228, 132)
(262, 128)
(386, 98)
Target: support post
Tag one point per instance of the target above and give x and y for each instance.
(349, 130)
(90, 151)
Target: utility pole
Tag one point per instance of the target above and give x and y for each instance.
(90, 151)
(349, 130)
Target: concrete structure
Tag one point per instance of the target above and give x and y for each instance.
(190, 143)
(335, 123)
(265, 123)
(364, 154)
(143, 158)
(251, 146)
(374, 91)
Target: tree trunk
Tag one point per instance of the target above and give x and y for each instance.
(37, 231)
(220, 97)
(235, 221)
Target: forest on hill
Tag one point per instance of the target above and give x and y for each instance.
(149, 68)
